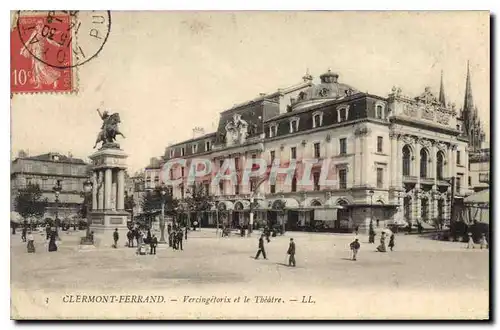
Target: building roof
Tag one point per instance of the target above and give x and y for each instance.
(193, 139)
(49, 157)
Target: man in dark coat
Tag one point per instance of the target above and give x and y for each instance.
(130, 237)
(180, 236)
(291, 252)
(116, 236)
(23, 233)
(261, 248)
(152, 244)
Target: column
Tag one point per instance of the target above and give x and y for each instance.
(107, 188)
(114, 186)
(94, 190)
(417, 160)
(394, 160)
(100, 200)
(433, 171)
(450, 161)
(121, 190)
(399, 162)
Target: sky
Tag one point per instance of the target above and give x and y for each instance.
(168, 72)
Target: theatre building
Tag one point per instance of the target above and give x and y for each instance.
(390, 158)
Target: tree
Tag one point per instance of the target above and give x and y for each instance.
(29, 202)
(129, 204)
(199, 200)
(152, 201)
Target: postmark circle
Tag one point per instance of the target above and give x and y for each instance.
(63, 39)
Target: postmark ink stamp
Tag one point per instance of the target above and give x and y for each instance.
(46, 47)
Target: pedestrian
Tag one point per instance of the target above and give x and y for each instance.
(291, 252)
(381, 247)
(261, 248)
(356, 230)
(355, 246)
(52, 243)
(186, 233)
(391, 241)
(470, 243)
(23, 233)
(378, 223)
(267, 232)
(484, 242)
(153, 244)
(31, 243)
(47, 231)
(180, 236)
(116, 236)
(371, 234)
(130, 237)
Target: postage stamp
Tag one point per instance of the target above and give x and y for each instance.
(47, 46)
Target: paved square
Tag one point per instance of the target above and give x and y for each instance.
(420, 279)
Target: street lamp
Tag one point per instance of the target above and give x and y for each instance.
(57, 190)
(87, 190)
(163, 192)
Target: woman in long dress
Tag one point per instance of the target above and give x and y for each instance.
(35, 48)
(381, 247)
(31, 243)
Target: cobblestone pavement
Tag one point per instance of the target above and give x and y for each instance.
(422, 278)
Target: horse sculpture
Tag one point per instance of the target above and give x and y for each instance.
(109, 129)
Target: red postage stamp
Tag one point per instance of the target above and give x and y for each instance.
(41, 54)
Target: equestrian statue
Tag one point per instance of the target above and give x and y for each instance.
(109, 128)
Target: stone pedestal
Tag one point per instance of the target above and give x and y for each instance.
(108, 167)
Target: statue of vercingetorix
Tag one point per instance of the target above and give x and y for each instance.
(109, 128)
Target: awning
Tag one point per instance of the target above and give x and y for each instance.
(482, 197)
(242, 205)
(290, 203)
(225, 206)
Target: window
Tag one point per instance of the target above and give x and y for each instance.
(380, 144)
(293, 153)
(423, 163)
(273, 130)
(172, 153)
(182, 171)
(316, 180)
(294, 184)
(425, 209)
(317, 153)
(221, 187)
(317, 119)
(252, 185)
(407, 208)
(236, 189)
(29, 168)
(171, 174)
(380, 177)
(343, 178)
(458, 184)
(379, 114)
(458, 157)
(342, 113)
(45, 184)
(470, 181)
(29, 181)
(294, 125)
(183, 151)
(273, 155)
(207, 146)
(157, 179)
(343, 146)
(194, 148)
(273, 189)
(221, 162)
(45, 169)
(406, 161)
(440, 166)
(237, 163)
(182, 191)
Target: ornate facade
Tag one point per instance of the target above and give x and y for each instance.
(391, 157)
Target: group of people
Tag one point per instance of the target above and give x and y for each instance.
(483, 243)
(176, 235)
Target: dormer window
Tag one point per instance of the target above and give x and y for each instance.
(55, 158)
(194, 148)
(183, 151)
(302, 96)
(273, 130)
(207, 145)
(317, 119)
(294, 125)
(172, 153)
(342, 113)
(379, 111)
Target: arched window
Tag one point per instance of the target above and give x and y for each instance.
(440, 165)
(406, 161)
(423, 163)
(379, 113)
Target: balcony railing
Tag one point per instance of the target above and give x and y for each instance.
(409, 178)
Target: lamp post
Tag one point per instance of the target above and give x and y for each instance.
(57, 190)
(87, 190)
(163, 192)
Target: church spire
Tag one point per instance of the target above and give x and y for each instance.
(468, 101)
(442, 98)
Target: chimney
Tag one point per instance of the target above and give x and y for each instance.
(198, 131)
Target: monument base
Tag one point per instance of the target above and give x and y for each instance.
(105, 221)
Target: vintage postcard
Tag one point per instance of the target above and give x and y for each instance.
(250, 165)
